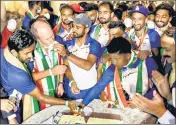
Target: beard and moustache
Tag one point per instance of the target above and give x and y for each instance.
(161, 24)
(138, 27)
(104, 21)
(168, 58)
(67, 22)
(76, 35)
(25, 60)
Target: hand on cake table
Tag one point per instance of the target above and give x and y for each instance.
(131, 104)
(103, 96)
(78, 110)
(155, 106)
(72, 107)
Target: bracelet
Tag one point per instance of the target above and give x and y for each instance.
(50, 72)
(11, 116)
(60, 83)
(71, 82)
(67, 54)
(66, 103)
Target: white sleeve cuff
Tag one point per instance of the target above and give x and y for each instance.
(167, 118)
(11, 116)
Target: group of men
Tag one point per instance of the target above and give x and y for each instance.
(89, 54)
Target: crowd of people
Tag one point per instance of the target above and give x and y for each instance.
(122, 52)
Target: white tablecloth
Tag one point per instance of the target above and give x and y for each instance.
(129, 116)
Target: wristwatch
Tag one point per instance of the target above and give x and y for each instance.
(67, 54)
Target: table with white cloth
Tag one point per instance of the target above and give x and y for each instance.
(128, 115)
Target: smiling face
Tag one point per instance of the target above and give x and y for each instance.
(138, 20)
(168, 45)
(66, 13)
(162, 18)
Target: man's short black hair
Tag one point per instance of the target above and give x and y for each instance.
(167, 7)
(134, 2)
(111, 7)
(123, 7)
(114, 24)
(118, 13)
(120, 45)
(83, 4)
(90, 7)
(50, 9)
(150, 8)
(173, 21)
(31, 4)
(21, 39)
(64, 6)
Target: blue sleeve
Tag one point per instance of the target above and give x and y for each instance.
(59, 39)
(92, 29)
(149, 93)
(107, 77)
(25, 23)
(151, 65)
(95, 49)
(154, 39)
(69, 43)
(21, 82)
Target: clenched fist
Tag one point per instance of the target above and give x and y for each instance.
(59, 69)
(60, 48)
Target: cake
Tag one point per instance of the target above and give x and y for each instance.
(108, 113)
(127, 115)
(95, 118)
(103, 121)
(52, 115)
(71, 119)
